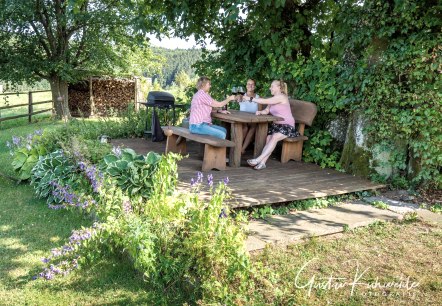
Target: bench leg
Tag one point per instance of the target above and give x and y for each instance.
(175, 146)
(214, 158)
(291, 150)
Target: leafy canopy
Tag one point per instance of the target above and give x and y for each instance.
(70, 40)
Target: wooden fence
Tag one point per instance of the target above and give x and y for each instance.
(30, 106)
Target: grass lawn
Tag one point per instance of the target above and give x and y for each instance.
(15, 99)
(391, 252)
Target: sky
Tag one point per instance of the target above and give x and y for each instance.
(174, 43)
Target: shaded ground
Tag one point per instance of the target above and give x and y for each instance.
(429, 196)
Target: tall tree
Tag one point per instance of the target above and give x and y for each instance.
(255, 38)
(64, 41)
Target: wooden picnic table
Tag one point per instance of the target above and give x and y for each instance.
(237, 119)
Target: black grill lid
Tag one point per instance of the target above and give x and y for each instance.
(160, 97)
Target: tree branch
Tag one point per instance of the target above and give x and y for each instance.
(44, 19)
(41, 39)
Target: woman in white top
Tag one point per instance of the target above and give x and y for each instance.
(250, 107)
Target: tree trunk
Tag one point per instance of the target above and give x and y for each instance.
(355, 156)
(59, 90)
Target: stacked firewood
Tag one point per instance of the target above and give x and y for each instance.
(109, 96)
(79, 99)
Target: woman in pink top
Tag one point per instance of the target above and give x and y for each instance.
(200, 121)
(279, 106)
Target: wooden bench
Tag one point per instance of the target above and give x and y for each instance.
(214, 148)
(304, 112)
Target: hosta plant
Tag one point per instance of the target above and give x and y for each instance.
(50, 172)
(132, 172)
(25, 152)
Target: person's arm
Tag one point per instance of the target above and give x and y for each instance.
(265, 111)
(273, 100)
(221, 104)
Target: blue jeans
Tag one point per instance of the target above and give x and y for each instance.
(208, 129)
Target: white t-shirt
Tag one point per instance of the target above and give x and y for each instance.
(249, 107)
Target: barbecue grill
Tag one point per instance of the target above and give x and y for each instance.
(160, 100)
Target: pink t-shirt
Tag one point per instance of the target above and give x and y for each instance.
(283, 110)
(200, 108)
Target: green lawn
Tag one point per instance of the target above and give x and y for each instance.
(29, 230)
(15, 99)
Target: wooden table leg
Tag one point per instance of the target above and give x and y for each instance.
(260, 138)
(235, 152)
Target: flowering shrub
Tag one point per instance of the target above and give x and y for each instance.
(26, 151)
(179, 241)
(64, 183)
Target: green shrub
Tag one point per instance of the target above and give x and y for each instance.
(26, 152)
(132, 172)
(319, 150)
(87, 150)
(52, 171)
(184, 245)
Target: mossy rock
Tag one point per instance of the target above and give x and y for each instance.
(355, 156)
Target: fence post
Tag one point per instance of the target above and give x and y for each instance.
(91, 97)
(30, 107)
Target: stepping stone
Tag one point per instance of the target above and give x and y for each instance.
(394, 205)
(283, 229)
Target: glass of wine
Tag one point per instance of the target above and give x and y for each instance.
(234, 92)
(241, 91)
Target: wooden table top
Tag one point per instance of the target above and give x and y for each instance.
(244, 117)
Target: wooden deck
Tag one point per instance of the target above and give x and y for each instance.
(276, 184)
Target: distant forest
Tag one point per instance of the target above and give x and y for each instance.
(176, 60)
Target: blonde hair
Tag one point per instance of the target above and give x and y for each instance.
(283, 86)
(202, 81)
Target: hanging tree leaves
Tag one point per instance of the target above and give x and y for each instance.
(64, 41)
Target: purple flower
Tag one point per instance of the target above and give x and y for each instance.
(226, 180)
(127, 207)
(192, 182)
(81, 165)
(116, 151)
(45, 260)
(95, 177)
(38, 132)
(16, 140)
(48, 275)
(210, 180)
(222, 214)
(200, 177)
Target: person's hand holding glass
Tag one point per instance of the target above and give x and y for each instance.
(241, 92)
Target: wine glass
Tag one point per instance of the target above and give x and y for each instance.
(241, 92)
(234, 91)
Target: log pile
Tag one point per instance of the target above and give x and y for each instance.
(108, 96)
(79, 99)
